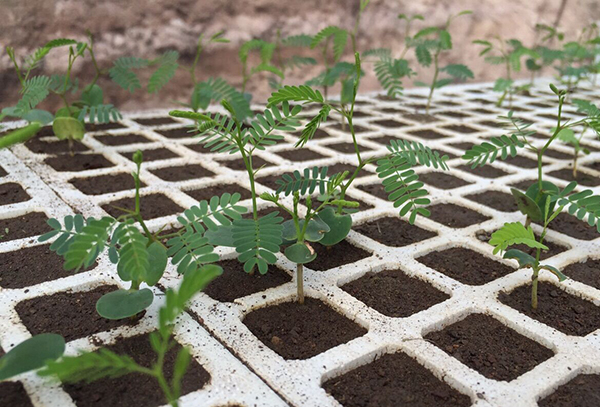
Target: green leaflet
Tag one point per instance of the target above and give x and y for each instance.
(31, 354)
(299, 253)
(124, 303)
(339, 226)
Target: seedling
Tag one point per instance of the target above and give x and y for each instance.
(543, 201)
(429, 44)
(546, 56)
(266, 50)
(293, 62)
(92, 366)
(300, 232)
(68, 121)
(140, 255)
(335, 71)
(578, 58)
(31, 354)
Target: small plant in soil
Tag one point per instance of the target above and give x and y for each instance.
(543, 55)
(92, 366)
(287, 64)
(543, 201)
(68, 121)
(569, 137)
(299, 232)
(577, 60)
(429, 44)
(140, 255)
(265, 50)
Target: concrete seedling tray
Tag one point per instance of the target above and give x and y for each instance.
(248, 371)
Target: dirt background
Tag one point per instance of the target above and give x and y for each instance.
(148, 28)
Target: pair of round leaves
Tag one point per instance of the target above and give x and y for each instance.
(124, 303)
(31, 354)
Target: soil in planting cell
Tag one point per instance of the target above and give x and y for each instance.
(346, 128)
(587, 272)
(571, 226)
(463, 146)
(563, 311)
(581, 391)
(270, 181)
(559, 155)
(393, 231)
(31, 224)
(456, 115)
(11, 193)
(487, 171)
(52, 146)
(382, 290)
(236, 283)
(104, 184)
(346, 148)
(482, 111)
(455, 216)
(103, 126)
(238, 164)
(522, 162)
(461, 129)
(287, 329)
(152, 206)
(421, 118)
(300, 155)
(153, 155)
(78, 162)
(319, 134)
(393, 380)
(267, 210)
(390, 124)
(427, 134)
(495, 199)
(13, 394)
(205, 193)
(155, 121)
(392, 110)
(341, 167)
(582, 178)
(182, 173)
(335, 256)
(30, 266)
(465, 265)
(136, 389)
(523, 185)
(70, 314)
(375, 189)
(489, 347)
(3, 172)
(178, 133)
(442, 180)
(112, 140)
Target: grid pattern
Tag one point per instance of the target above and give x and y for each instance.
(465, 115)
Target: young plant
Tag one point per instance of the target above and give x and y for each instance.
(92, 366)
(543, 201)
(429, 44)
(68, 121)
(578, 59)
(299, 232)
(293, 62)
(31, 354)
(140, 255)
(543, 55)
(335, 71)
(568, 136)
(266, 50)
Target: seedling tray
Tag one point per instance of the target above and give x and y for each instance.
(393, 302)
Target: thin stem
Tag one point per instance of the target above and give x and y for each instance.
(300, 282)
(435, 76)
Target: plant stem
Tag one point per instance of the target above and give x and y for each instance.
(300, 282)
(435, 76)
(534, 288)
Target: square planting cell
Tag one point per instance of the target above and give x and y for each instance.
(300, 155)
(442, 180)
(582, 178)
(461, 129)
(137, 389)
(236, 283)
(487, 171)
(382, 290)
(153, 154)
(345, 148)
(393, 231)
(465, 265)
(152, 206)
(104, 184)
(122, 140)
(52, 145)
(238, 164)
(489, 347)
(428, 134)
(205, 193)
(78, 162)
(14, 394)
(301, 331)
(28, 225)
(182, 173)
(581, 391)
(155, 121)
(455, 216)
(571, 226)
(11, 193)
(346, 129)
(500, 201)
(587, 272)
(565, 312)
(178, 133)
(340, 254)
(393, 380)
(390, 124)
(421, 118)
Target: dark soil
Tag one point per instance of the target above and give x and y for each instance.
(393, 380)
(522, 162)
(455, 216)
(103, 126)
(553, 249)
(487, 171)
(178, 133)
(53, 146)
(465, 265)
(582, 178)
(3, 172)
(571, 226)
(12, 192)
(427, 134)
(559, 155)
(270, 181)
(375, 189)
(13, 394)
(462, 146)
(153, 155)
(113, 140)
(155, 121)
(104, 184)
(489, 347)
(238, 164)
(567, 313)
(421, 118)
(319, 134)
(136, 390)
(390, 124)
(385, 140)
(30, 266)
(152, 206)
(523, 185)
(581, 391)
(298, 331)
(79, 162)
(70, 314)
(462, 129)
(494, 199)
(205, 193)
(587, 272)
(346, 148)
(393, 231)
(346, 128)
(453, 114)
(182, 173)
(382, 290)
(442, 180)
(303, 154)
(490, 123)
(335, 256)
(482, 111)
(31, 224)
(236, 283)
(341, 167)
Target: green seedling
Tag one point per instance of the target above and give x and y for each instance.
(140, 255)
(429, 43)
(286, 65)
(68, 121)
(543, 201)
(265, 50)
(31, 354)
(578, 59)
(543, 55)
(300, 232)
(92, 366)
